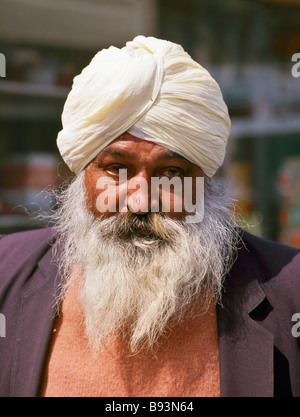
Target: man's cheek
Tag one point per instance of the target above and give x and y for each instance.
(106, 200)
(111, 197)
(172, 202)
(171, 197)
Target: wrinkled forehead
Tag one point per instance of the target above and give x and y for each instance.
(136, 150)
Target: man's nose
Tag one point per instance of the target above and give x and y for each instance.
(139, 199)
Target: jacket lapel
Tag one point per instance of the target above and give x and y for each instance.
(35, 326)
(245, 347)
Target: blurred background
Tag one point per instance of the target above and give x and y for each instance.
(247, 45)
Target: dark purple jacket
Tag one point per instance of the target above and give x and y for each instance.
(259, 355)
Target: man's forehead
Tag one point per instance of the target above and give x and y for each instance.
(128, 145)
(165, 154)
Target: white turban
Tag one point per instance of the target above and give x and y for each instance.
(152, 89)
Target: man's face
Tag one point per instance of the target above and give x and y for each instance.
(143, 161)
(140, 274)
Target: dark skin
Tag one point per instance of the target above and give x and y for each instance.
(143, 160)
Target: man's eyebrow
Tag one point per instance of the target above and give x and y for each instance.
(123, 154)
(172, 155)
(114, 152)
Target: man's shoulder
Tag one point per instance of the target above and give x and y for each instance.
(25, 244)
(34, 234)
(27, 238)
(20, 254)
(276, 252)
(273, 264)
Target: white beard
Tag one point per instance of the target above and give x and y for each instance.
(142, 279)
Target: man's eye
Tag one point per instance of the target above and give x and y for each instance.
(172, 172)
(114, 169)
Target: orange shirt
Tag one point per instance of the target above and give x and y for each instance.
(185, 364)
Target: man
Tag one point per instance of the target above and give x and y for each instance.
(145, 286)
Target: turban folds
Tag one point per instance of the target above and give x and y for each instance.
(152, 89)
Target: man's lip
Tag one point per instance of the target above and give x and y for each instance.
(140, 232)
(134, 232)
